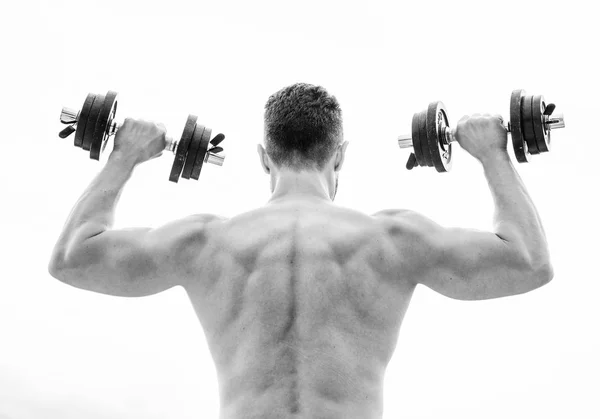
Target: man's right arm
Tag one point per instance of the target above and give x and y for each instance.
(473, 265)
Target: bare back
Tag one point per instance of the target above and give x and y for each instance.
(301, 305)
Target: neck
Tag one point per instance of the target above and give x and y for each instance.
(306, 185)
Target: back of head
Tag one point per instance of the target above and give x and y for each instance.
(303, 127)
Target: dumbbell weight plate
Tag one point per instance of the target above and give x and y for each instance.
(441, 154)
(516, 129)
(201, 153)
(105, 117)
(192, 151)
(182, 148)
(416, 139)
(542, 135)
(83, 119)
(527, 120)
(90, 126)
(424, 140)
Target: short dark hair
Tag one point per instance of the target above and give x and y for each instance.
(303, 127)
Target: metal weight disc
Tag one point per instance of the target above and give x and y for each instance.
(182, 148)
(201, 153)
(440, 153)
(105, 117)
(90, 126)
(527, 120)
(83, 118)
(416, 138)
(192, 151)
(424, 141)
(516, 129)
(542, 135)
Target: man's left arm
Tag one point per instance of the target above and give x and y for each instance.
(128, 262)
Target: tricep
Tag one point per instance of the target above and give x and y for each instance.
(465, 264)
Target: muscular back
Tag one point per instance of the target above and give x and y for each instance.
(301, 302)
(301, 306)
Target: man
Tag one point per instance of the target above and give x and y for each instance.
(301, 301)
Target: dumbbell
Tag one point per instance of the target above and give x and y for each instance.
(531, 122)
(95, 123)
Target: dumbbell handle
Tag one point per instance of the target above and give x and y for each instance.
(171, 144)
(71, 116)
(449, 135)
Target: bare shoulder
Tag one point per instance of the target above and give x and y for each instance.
(407, 223)
(396, 213)
(193, 222)
(414, 237)
(205, 218)
(180, 233)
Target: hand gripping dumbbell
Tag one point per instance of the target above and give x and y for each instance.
(531, 122)
(95, 123)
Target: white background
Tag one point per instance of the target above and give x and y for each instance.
(67, 353)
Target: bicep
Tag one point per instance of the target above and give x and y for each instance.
(464, 264)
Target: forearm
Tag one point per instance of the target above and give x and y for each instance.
(515, 217)
(94, 211)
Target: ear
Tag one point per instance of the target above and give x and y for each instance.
(340, 155)
(264, 158)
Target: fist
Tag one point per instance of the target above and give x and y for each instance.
(140, 140)
(482, 135)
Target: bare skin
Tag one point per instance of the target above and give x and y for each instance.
(301, 301)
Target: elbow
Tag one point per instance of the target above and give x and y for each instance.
(63, 272)
(542, 273)
(56, 262)
(537, 268)
(547, 273)
(57, 267)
